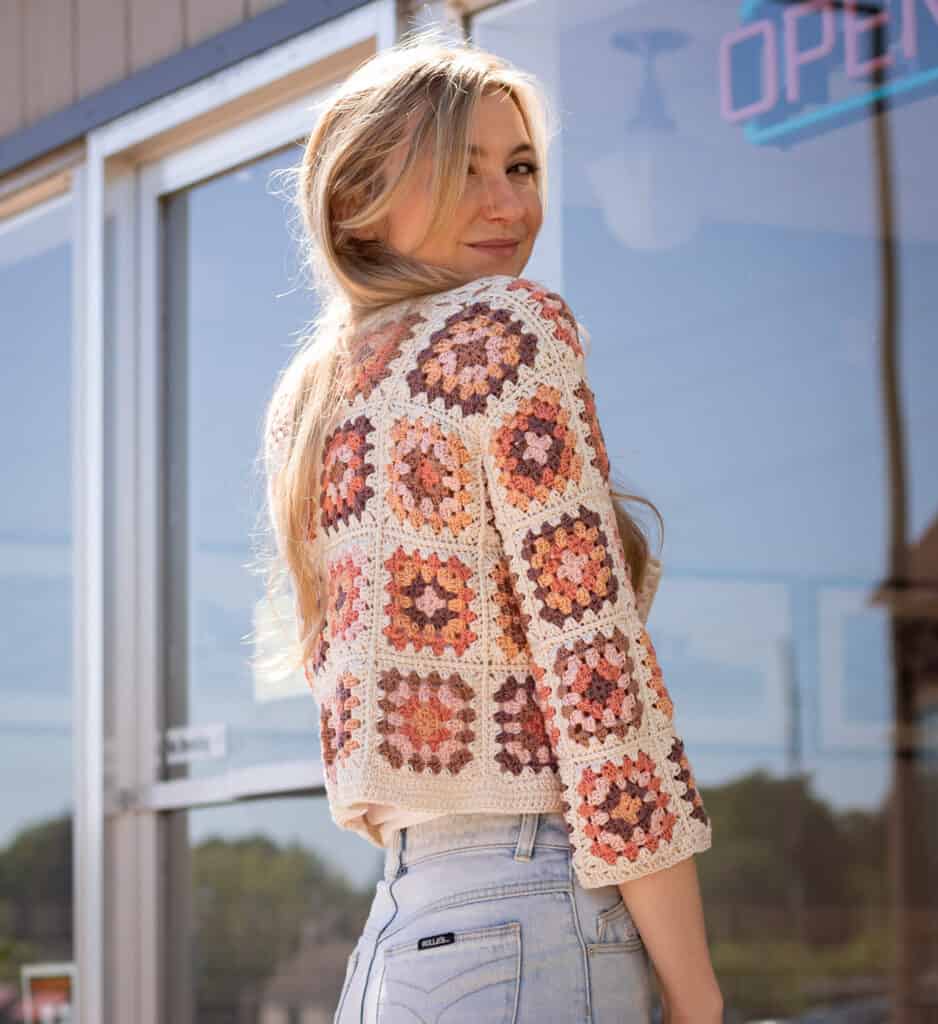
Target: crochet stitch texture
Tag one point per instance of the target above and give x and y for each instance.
(483, 647)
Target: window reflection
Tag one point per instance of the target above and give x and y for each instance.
(236, 305)
(35, 599)
(267, 900)
(758, 292)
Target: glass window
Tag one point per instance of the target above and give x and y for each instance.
(267, 899)
(746, 221)
(35, 597)
(236, 304)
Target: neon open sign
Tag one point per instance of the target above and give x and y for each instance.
(775, 68)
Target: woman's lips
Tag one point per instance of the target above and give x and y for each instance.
(502, 249)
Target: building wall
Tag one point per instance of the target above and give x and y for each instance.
(56, 52)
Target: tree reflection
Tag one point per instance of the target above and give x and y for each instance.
(274, 923)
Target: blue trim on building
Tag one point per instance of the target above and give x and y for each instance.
(168, 76)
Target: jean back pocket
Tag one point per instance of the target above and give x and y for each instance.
(620, 977)
(617, 925)
(459, 977)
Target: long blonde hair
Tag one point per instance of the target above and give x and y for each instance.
(428, 86)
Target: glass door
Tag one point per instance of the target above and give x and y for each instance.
(249, 896)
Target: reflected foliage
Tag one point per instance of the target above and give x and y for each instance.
(798, 905)
(35, 901)
(255, 905)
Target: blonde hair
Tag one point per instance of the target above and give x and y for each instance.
(426, 86)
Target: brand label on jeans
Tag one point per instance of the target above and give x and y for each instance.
(443, 939)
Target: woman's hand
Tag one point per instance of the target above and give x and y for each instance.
(692, 1015)
(667, 910)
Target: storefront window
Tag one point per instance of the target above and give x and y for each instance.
(35, 599)
(267, 901)
(236, 304)
(745, 218)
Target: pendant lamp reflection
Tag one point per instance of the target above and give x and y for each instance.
(644, 185)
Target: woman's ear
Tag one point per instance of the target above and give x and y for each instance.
(373, 233)
(365, 234)
(369, 234)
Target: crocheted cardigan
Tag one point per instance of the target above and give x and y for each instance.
(483, 646)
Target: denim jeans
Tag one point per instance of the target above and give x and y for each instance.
(480, 919)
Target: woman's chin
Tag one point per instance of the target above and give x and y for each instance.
(503, 263)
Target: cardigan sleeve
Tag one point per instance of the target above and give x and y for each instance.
(630, 800)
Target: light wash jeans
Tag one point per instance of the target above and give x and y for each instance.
(480, 919)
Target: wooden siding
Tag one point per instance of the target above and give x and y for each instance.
(55, 52)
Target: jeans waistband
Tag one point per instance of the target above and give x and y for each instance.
(459, 831)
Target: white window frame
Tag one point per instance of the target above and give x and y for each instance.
(129, 164)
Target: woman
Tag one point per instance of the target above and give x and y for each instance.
(470, 595)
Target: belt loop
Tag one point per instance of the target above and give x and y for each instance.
(526, 834)
(394, 859)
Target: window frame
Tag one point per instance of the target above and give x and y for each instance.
(226, 119)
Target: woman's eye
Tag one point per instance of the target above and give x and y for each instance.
(524, 163)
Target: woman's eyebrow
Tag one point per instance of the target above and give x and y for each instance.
(480, 150)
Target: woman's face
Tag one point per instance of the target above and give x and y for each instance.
(500, 201)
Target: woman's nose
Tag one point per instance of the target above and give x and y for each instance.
(500, 199)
